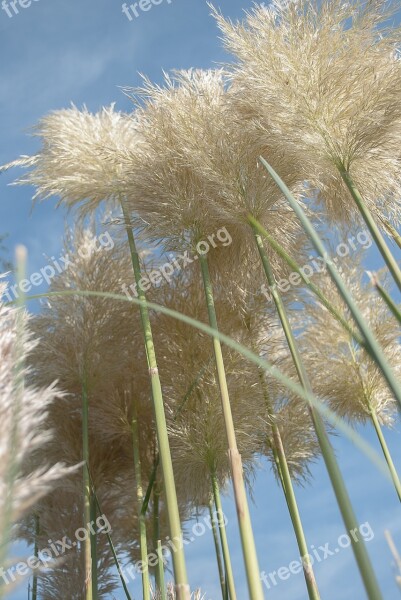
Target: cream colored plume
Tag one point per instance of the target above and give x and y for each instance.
(197, 169)
(23, 412)
(321, 80)
(77, 161)
(341, 371)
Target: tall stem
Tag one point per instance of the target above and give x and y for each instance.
(143, 544)
(289, 494)
(180, 572)
(110, 541)
(386, 452)
(86, 491)
(36, 555)
(392, 232)
(160, 571)
(373, 228)
(343, 500)
(229, 579)
(244, 519)
(156, 529)
(371, 344)
(93, 538)
(217, 547)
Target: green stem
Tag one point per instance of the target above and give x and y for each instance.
(387, 298)
(313, 288)
(93, 538)
(292, 504)
(86, 490)
(223, 539)
(289, 494)
(156, 529)
(110, 541)
(371, 344)
(36, 555)
(343, 500)
(217, 547)
(372, 226)
(160, 571)
(180, 571)
(149, 489)
(391, 231)
(244, 519)
(143, 545)
(386, 452)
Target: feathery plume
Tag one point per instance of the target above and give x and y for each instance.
(197, 169)
(23, 433)
(322, 79)
(352, 383)
(77, 161)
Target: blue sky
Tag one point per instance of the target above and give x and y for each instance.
(56, 52)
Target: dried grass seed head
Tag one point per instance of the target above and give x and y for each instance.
(322, 79)
(342, 371)
(79, 159)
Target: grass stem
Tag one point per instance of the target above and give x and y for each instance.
(179, 566)
(143, 544)
(343, 500)
(371, 344)
(372, 226)
(217, 547)
(386, 452)
(86, 490)
(244, 520)
(219, 515)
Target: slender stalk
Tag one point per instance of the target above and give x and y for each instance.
(180, 572)
(343, 500)
(292, 504)
(392, 232)
(143, 544)
(156, 530)
(160, 571)
(110, 541)
(371, 344)
(289, 494)
(93, 538)
(372, 226)
(313, 288)
(86, 491)
(152, 481)
(386, 297)
(386, 452)
(223, 539)
(373, 414)
(36, 555)
(217, 547)
(244, 520)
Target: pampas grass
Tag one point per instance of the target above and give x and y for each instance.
(300, 132)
